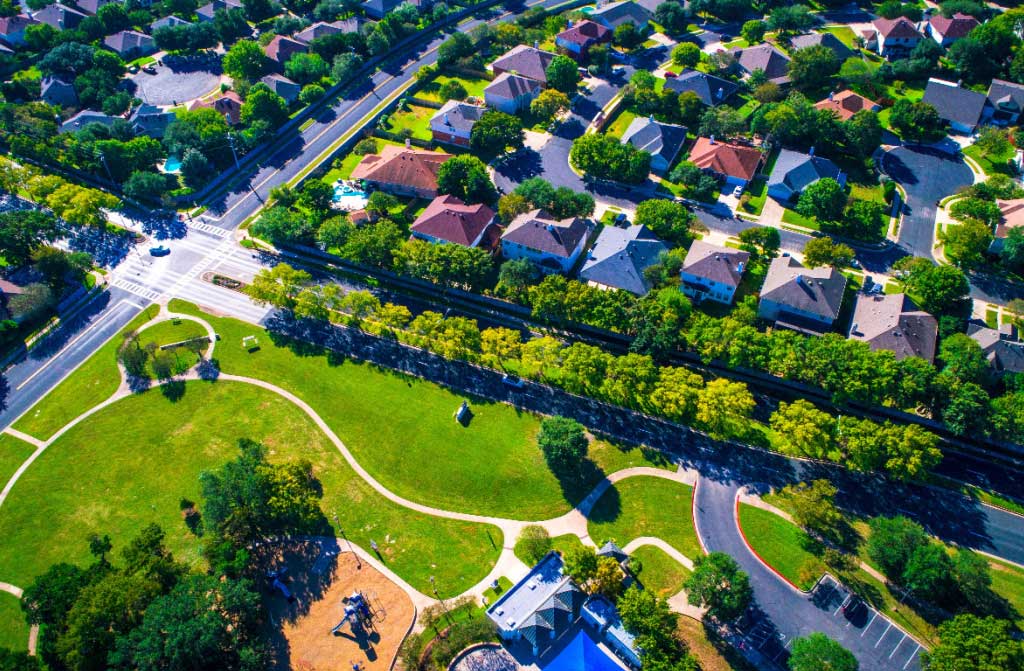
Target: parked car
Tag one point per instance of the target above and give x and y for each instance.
(621, 219)
(149, 70)
(132, 69)
(159, 250)
(670, 75)
(512, 381)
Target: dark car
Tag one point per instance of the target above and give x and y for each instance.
(670, 75)
(512, 381)
(159, 250)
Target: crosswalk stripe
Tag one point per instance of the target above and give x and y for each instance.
(209, 229)
(132, 287)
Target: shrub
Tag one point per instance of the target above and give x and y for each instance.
(533, 543)
(365, 146)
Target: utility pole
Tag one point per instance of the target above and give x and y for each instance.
(103, 160)
(231, 143)
(359, 564)
(444, 606)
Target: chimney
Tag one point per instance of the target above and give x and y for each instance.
(568, 24)
(739, 267)
(853, 329)
(720, 93)
(712, 139)
(536, 44)
(831, 95)
(650, 118)
(446, 121)
(810, 152)
(408, 143)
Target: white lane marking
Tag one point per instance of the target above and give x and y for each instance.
(912, 655)
(897, 646)
(868, 625)
(883, 634)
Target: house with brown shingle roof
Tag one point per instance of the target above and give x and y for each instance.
(228, 104)
(130, 44)
(552, 244)
(577, 39)
(322, 29)
(1011, 217)
(713, 273)
(846, 103)
(801, 299)
(402, 171)
(281, 48)
(948, 29)
(524, 61)
(511, 93)
(736, 164)
(893, 38)
(1002, 347)
(766, 58)
(892, 322)
(449, 220)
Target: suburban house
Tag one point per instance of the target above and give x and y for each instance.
(892, 322)
(616, 14)
(619, 258)
(736, 164)
(829, 40)
(711, 90)
(1005, 102)
(207, 12)
(322, 29)
(1002, 347)
(171, 21)
(1011, 216)
(151, 120)
(577, 39)
(60, 16)
(794, 171)
(281, 48)
(510, 93)
(93, 6)
(525, 61)
(57, 92)
(552, 244)
(402, 171)
(661, 140)
(282, 86)
(130, 44)
(12, 29)
(378, 9)
(600, 613)
(86, 117)
(713, 273)
(228, 104)
(846, 103)
(7, 290)
(448, 220)
(766, 58)
(453, 123)
(947, 30)
(801, 299)
(959, 107)
(892, 38)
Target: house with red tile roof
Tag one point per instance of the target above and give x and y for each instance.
(576, 40)
(948, 29)
(449, 220)
(228, 104)
(281, 48)
(893, 38)
(736, 164)
(846, 103)
(402, 171)
(1011, 216)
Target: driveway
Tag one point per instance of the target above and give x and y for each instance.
(928, 176)
(178, 80)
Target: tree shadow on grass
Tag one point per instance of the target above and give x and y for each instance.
(578, 483)
(173, 390)
(607, 508)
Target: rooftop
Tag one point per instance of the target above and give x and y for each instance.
(900, 27)
(953, 103)
(620, 256)
(710, 89)
(508, 85)
(726, 159)
(892, 322)
(829, 40)
(955, 26)
(456, 116)
(448, 218)
(401, 165)
(544, 601)
(764, 57)
(717, 264)
(656, 138)
(584, 32)
(815, 290)
(539, 230)
(526, 61)
(1012, 212)
(617, 13)
(794, 171)
(846, 103)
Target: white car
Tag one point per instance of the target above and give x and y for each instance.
(737, 192)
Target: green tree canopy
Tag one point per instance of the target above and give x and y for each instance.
(718, 584)
(564, 444)
(818, 652)
(466, 178)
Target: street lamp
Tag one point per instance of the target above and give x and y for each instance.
(359, 564)
(444, 606)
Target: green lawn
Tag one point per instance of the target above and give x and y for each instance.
(94, 381)
(400, 429)
(661, 574)
(844, 34)
(991, 164)
(646, 507)
(793, 217)
(758, 191)
(174, 331)
(415, 120)
(13, 453)
(131, 463)
(13, 629)
(1008, 582)
(872, 192)
(565, 543)
(620, 123)
(474, 87)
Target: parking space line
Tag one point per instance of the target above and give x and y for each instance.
(897, 646)
(868, 625)
(912, 655)
(883, 634)
(847, 600)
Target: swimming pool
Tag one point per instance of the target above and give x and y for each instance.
(349, 198)
(172, 164)
(582, 654)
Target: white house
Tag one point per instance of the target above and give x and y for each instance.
(712, 273)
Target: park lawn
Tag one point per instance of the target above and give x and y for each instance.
(1008, 582)
(95, 380)
(414, 119)
(174, 331)
(13, 453)
(620, 123)
(474, 87)
(565, 543)
(844, 34)
(793, 217)
(661, 573)
(400, 428)
(13, 628)
(131, 463)
(991, 164)
(712, 652)
(644, 506)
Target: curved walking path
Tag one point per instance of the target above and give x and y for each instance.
(641, 541)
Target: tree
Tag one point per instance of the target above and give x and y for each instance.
(23, 231)
(667, 219)
(915, 121)
(723, 404)
(259, 10)
(686, 54)
(753, 31)
(604, 157)
(892, 542)
(814, 506)
(966, 243)
(581, 564)
(317, 195)
(671, 16)
(496, 132)
(263, 105)
(627, 36)
(818, 652)
(564, 444)
(280, 225)
(823, 200)
(980, 644)
(765, 238)
(718, 584)
(937, 289)
(863, 220)
(310, 93)
(608, 578)
(862, 133)
(245, 60)
(466, 178)
(305, 68)
(549, 103)
(813, 67)
(722, 122)
(345, 66)
(277, 286)
(972, 59)
(805, 430)
(992, 140)
(979, 209)
(929, 573)
(58, 266)
(34, 301)
(963, 358)
(453, 90)
(825, 252)
(146, 186)
(533, 543)
(562, 74)
(516, 275)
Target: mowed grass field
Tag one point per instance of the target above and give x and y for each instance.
(131, 463)
(13, 453)
(646, 506)
(662, 574)
(13, 629)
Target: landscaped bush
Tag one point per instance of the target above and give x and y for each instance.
(533, 543)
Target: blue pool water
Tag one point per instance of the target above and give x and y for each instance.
(172, 164)
(349, 198)
(588, 10)
(582, 654)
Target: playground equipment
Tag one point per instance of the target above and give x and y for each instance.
(359, 613)
(276, 584)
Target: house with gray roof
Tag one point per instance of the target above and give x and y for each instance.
(453, 123)
(766, 58)
(661, 140)
(377, 9)
(1002, 347)
(84, 118)
(710, 89)
(12, 29)
(282, 86)
(208, 11)
(511, 93)
(151, 120)
(959, 107)
(130, 44)
(711, 272)
(801, 299)
(93, 6)
(552, 244)
(1004, 103)
(60, 16)
(795, 171)
(524, 61)
(322, 29)
(171, 21)
(616, 14)
(619, 258)
(892, 322)
(829, 40)
(57, 92)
